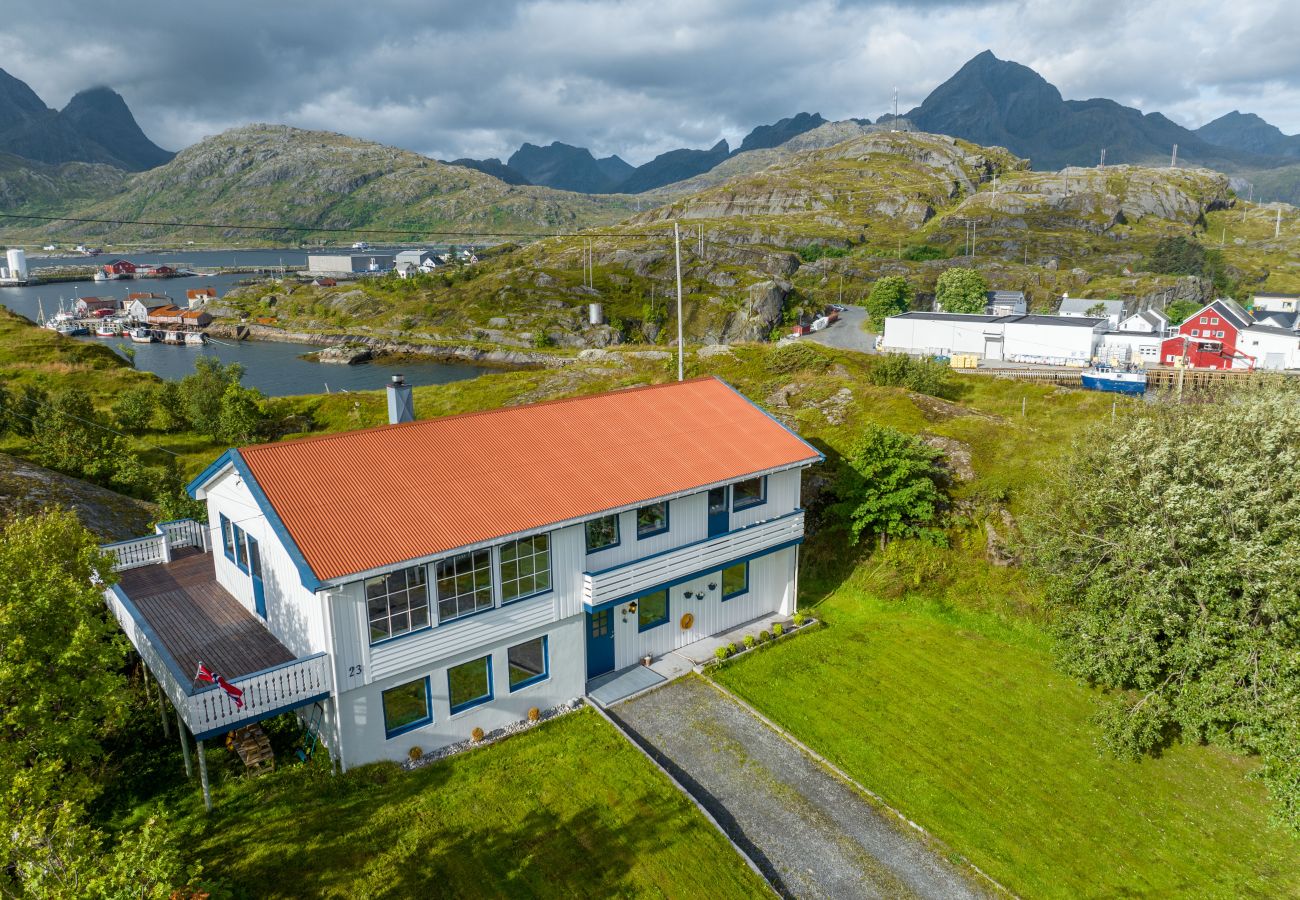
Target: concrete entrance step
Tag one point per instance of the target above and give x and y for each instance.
(615, 686)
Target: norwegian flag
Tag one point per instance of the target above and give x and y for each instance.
(234, 693)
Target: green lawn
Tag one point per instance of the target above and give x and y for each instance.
(959, 720)
(566, 810)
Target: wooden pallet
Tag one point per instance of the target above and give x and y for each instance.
(253, 747)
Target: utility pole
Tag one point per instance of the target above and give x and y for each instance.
(1277, 226)
(895, 101)
(1173, 160)
(1102, 164)
(681, 347)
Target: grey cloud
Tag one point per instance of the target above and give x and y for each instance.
(634, 78)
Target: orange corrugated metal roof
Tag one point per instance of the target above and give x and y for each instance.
(366, 499)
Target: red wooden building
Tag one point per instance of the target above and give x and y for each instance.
(120, 267)
(1208, 339)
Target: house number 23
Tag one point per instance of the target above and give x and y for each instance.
(354, 671)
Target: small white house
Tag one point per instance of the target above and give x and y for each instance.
(1084, 307)
(404, 585)
(1270, 347)
(1277, 302)
(1149, 321)
(1006, 303)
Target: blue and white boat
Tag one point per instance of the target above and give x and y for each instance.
(1115, 380)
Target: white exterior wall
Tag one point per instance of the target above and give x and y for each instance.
(941, 337)
(1277, 304)
(771, 589)
(1047, 343)
(1271, 351)
(1130, 346)
(293, 613)
(687, 522)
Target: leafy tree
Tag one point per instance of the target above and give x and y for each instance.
(1097, 311)
(1169, 550)
(135, 407)
(891, 487)
(201, 393)
(241, 420)
(5, 418)
(889, 296)
(925, 376)
(961, 290)
(1179, 310)
(68, 435)
(1181, 255)
(169, 409)
(24, 407)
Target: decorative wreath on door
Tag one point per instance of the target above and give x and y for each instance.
(687, 621)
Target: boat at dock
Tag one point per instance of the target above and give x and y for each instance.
(195, 338)
(141, 335)
(1115, 380)
(106, 329)
(173, 336)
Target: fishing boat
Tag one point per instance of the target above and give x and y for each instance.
(141, 335)
(173, 336)
(195, 338)
(106, 329)
(101, 275)
(1115, 380)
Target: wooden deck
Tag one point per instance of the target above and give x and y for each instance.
(197, 620)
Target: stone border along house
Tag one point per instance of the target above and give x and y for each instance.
(405, 584)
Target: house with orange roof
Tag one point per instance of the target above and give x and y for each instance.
(405, 585)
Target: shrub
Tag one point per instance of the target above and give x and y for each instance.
(796, 357)
(814, 252)
(923, 252)
(890, 487)
(798, 619)
(732, 649)
(477, 734)
(889, 296)
(764, 637)
(925, 376)
(778, 629)
(721, 653)
(135, 407)
(749, 642)
(415, 753)
(534, 714)
(961, 290)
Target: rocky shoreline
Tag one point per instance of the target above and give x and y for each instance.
(349, 349)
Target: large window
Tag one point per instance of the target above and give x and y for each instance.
(397, 603)
(750, 492)
(470, 684)
(529, 663)
(228, 537)
(406, 707)
(464, 584)
(735, 580)
(652, 610)
(602, 533)
(525, 567)
(652, 519)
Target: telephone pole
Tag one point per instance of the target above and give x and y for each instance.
(1277, 226)
(1173, 160)
(1102, 164)
(896, 101)
(681, 347)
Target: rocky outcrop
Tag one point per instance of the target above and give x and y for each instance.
(765, 303)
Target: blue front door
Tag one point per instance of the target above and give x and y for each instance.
(600, 642)
(717, 511)
(255, 570)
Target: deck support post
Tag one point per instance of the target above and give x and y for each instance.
(203, 776)
(185, 745)
(162, 711)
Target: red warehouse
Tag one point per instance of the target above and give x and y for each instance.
(1208, 339)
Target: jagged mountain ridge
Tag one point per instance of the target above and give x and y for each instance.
(1249, 133)
(96, 126)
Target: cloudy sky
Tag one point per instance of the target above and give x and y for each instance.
(635, 78)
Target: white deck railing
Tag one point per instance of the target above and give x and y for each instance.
(702, 556)
(272, 689)
(157, 548)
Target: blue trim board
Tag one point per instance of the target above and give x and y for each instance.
(207, 474)
(610, 604)
(267, 714)
(821, 457)
(704, 540)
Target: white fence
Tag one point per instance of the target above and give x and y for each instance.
(281, 687)
(702, 556)
(157, 548)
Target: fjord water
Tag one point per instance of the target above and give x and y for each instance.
(274, 368)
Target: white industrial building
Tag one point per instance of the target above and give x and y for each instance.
(1271, 348)
(1051, 340)
(350, 263)
(14, 271)
(399, 606)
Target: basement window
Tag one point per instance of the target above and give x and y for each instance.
(470, 684)
(406, 707)
(529, 663)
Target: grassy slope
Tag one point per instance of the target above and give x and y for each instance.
(567, 810)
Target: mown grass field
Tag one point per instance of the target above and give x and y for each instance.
(959, 719)
(568, 809)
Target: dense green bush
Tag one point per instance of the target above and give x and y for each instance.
(925, 376)
(889, 296)
(923, 252)
(890, 487)
(961, 290)
(814, 252)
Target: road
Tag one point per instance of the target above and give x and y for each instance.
(847, 333)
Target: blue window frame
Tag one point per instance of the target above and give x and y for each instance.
(529, 663)
(602, 533)
(407, 707)
(227, 537)
(470, 684)
(241, 549)
(652, 520)
(652, 610)
(747, 493)
(525, 568)
(735, 580)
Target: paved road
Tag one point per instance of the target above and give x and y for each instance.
(810, 833)
(847, 333)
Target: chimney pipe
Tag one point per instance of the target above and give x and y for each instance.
(400, 406)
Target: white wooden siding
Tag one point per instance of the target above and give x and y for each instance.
(771, 589)
(687, 522)
(782, 498)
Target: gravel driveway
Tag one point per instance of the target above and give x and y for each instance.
(810, 833)
(847, 333)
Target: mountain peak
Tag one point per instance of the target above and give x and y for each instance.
(765, 136)
(102, 115)
(1249, 133)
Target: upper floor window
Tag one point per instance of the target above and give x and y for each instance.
(241, 548)
(1205, 320)
(228, 537)
(525, 567)
(397, 603)
(1218, 334)
(464, 584)
(750, 492)
(602, 533)
(1196, 332)
(652, 519)
(1214, 321)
